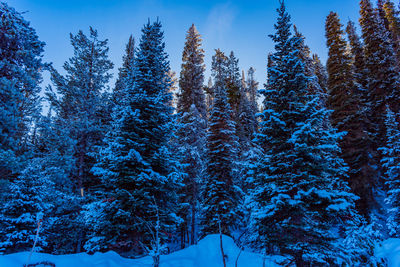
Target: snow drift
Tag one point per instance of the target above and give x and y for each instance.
(390, 250)
(206, 253)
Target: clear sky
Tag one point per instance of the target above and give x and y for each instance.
(239, 25)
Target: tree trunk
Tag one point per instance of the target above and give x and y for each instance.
(193, 239)
(183, 235)
(299, 260)
(81, 163)
(192, 234)
(220, 242)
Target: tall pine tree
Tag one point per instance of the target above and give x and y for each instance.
(80, 106)
(220, 195)
(233, 85)
(348, 113)
(192, 118)
(20, 76)
(127, 65)
(391, 163)
(383, 77)
(298, 190)
(139, 173)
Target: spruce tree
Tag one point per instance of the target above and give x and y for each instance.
(192, 116)
(297, 188)
(345, 100)
(391, 162)
(139, 173)
(321, 73)
(220, 195)
(383, 76)
(314, 87)
(79, 111)
(209, 95)
(127, 64)
(80, 105)
(252, 89)
(192, 74)
(340, 76)
(358, 60)
(233, 85)
(26, 204)
(20, 75)
(54, 162)
(248, 109)
(392, 15)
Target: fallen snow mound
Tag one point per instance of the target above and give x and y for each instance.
(206, 253)
(390, 250)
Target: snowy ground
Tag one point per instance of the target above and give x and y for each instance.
(206, 253)
(390, 250)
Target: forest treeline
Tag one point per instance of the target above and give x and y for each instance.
(162, 160)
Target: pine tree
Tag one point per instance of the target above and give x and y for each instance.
(24, 203)
(252, 88)
(321, 73)
(209, 95)
(220, 195)
(248, 109)
(314, 87)
(140, 175)
(54, 162)
(391, 162)
(383, 77)
(233, 85)
(80, 108)
(127, 63)
(297, 185)
(340, 78)
(20, 76)
(345, 99)
(392, 16)
(192, 116)
(192, 74)
(358, 60)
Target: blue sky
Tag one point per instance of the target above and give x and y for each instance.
(241, 26)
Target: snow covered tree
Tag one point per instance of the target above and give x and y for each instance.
(127, 63)
(359, 243)
(54, 162)
(136, 165)
(390, 16)
(321, 74)
(243, 128)
(345, 99)
(20, 76)
(246, 128)
(24, 202)
(298, 196)
(209, 95)
(80, 107)
(391, 162)
(233, 85)
(340, 77)
(192, 74)
(252, 90)
(314, 87)
(358, 60)
(191, 134)
(383, 77)
(220, 195)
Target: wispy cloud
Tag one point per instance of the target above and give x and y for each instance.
(219, 21)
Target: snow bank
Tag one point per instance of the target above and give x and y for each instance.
(390, 250)
(206, 253)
